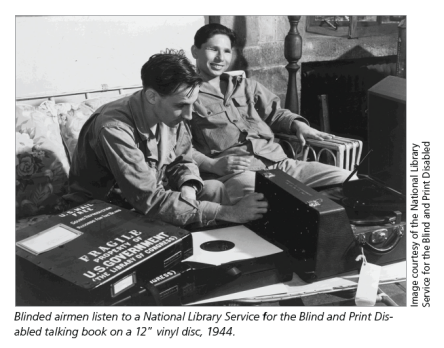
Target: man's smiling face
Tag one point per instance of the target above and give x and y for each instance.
(214, 56)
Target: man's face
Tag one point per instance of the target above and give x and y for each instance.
(213, 57)
(175, 108)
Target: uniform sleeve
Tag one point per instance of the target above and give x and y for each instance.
(139, 185)
(268, 107)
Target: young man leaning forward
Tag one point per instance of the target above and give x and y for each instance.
(140, 147)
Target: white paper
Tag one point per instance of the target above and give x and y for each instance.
(275, 289)
(49, 239)
(247, 245)
(368, 285)
(297, 287)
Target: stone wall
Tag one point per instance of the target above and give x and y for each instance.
(260, 50)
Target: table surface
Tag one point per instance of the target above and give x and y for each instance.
(323, 292)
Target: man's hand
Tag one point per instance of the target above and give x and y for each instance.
(229, 164)
(188, 192)
(304, 131)
(251, 207)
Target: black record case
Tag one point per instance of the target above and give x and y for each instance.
(317, 232)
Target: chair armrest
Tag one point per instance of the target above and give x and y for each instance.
(340, 152)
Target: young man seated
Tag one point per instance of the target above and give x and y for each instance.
(140, 145)
(234, 119)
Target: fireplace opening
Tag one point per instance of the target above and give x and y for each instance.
(345, 83)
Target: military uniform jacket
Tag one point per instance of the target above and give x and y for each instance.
(117, 147)
(241, 122)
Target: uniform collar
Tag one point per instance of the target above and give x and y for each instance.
(144, 121)
(234, 78)
(239, 74)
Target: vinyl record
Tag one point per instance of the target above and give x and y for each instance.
(217, 245)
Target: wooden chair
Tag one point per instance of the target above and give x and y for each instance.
(340, 152)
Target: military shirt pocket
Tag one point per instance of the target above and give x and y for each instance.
(246, 107)
(212, 130)
(208, 110)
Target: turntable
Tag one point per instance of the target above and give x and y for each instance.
(324, 232)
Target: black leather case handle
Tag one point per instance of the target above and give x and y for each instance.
(367, 245)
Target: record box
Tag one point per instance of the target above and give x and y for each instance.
(94, 254)
(323, 237)
(225, 261)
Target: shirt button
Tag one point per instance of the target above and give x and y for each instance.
(208, 112)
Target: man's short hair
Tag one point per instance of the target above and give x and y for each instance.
(209, 30)
(166, 71)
